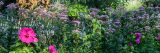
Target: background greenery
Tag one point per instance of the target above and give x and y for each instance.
(111, 29)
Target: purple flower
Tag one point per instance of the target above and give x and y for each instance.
(138, 37)
(138, 41)
(130, 44)
(63, 17)
(12, 6)
(142, 8)
(157, 8)
(65, 11)
(111, 30)
(117, 22)
(158, 37)
(42, 11)
(1, 3)
(103, 17)
(94, 9)
(93, 13)
(146, 15)
(140, 17)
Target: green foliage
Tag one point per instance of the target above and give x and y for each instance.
(152, 2)
(75, 9)
(133, 5)
(18, 48)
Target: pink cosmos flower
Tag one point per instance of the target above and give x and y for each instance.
(27, 35)
(52, 49)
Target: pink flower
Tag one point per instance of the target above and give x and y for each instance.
(138, 41)
(138, 38)
(27, 35)
(52, 49)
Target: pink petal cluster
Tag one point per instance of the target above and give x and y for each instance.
(52, 49)
(27, 35)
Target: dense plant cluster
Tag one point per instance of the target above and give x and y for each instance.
(60, 28)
